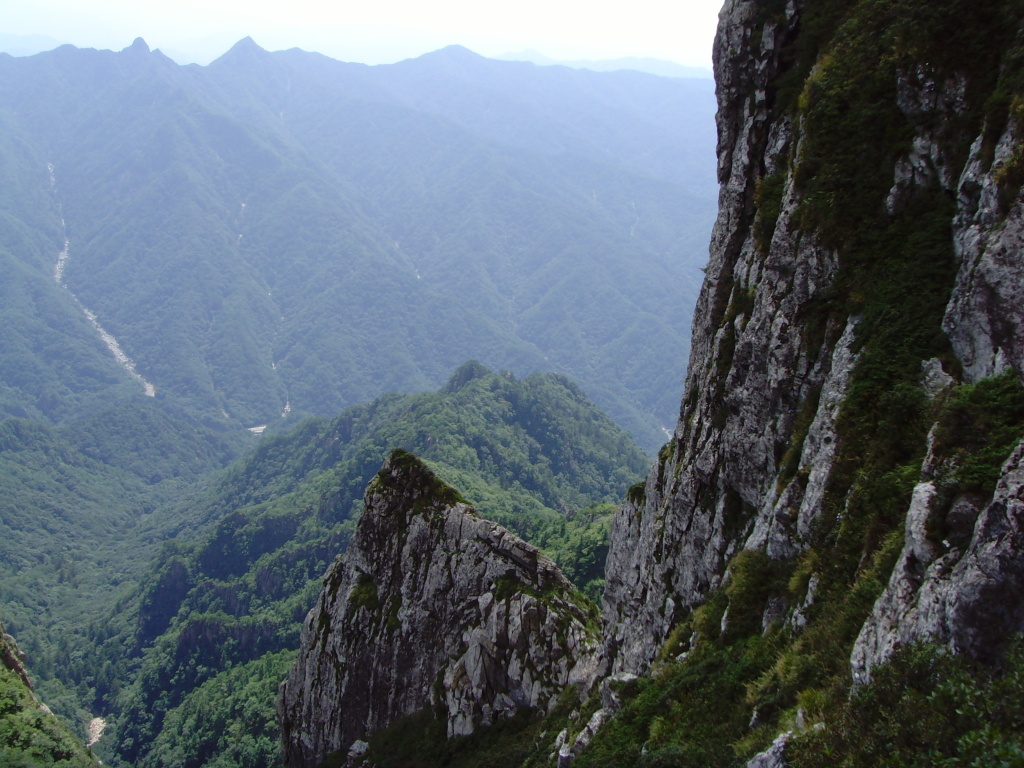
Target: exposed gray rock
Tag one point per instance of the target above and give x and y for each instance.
(933, 378)
(12, 657)
(567, 751)
(972, 600)
(611, 686)
(590, 730)
(755, 446)
(756, 442)
(718, 487)
(985, 316)
(800, 500)
(928, 163)
(799, 618)
(970, 597)
(430, 607)
(774, 756)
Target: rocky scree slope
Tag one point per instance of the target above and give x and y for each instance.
(431, 607)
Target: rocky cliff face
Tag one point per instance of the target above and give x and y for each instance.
(715, 489)
(431, 607)
(815, 372)
(967, 590)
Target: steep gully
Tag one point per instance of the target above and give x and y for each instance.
(112, 344)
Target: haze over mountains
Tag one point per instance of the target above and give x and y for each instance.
(201, 51)
(192, 252)
(287, 233)
(637, 63)
(824, 566)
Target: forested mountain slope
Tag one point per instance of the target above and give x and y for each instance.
(282, 232)
(189, 252)
(30, 736)
(80, 516)
(218, 617)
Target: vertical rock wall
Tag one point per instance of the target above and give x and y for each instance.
(717, 487)
(967, 591)
(776, 344)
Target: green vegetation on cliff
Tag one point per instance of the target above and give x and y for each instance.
(729, 679)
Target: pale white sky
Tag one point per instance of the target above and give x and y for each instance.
(378, 31)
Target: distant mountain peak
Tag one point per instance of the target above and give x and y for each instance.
(245, 50)
(649, 65)
(457, 50)
(246, 44)
(453, 53)
(138, 46)
(464, 374)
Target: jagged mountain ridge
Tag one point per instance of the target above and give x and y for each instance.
(220, 612)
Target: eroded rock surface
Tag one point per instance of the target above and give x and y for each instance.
(774, 355)
(721, 484)
(969, 596)
(431, 607)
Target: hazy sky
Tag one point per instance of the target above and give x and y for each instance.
(377, 31)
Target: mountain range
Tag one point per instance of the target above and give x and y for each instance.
(285, 234)
(198, 259)
(824, 565)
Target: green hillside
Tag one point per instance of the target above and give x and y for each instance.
(79, 519)
(218, 613)
(30, 736)
(283, 235)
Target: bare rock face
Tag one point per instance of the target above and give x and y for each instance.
(720, 485)
(431, 607)
(968, 597)
(758, 436)
(774, 756)
(971, 599)
(985, 317)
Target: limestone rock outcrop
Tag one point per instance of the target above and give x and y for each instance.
(430, 607)
(969, 596)
(971, 599)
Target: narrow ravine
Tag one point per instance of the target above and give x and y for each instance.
(58, 274)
